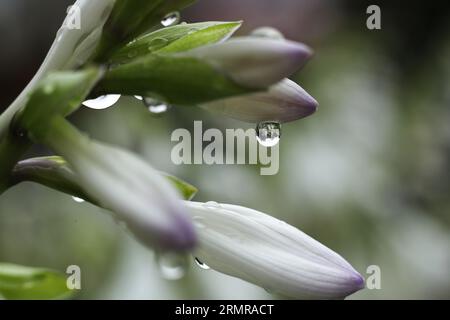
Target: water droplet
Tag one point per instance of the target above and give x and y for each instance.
(157, 43)
(155, 106)
(268, 133)
(201, 264)
(79, 200)
(132, 54)
(171, 19)
(212, 205)
(172, 266)
(102, 102)
(267, 32)
(199, 222)
(49, 88)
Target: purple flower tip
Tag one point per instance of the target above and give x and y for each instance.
(181, 236)
(300, 53)
(359, 281)
(355, 283)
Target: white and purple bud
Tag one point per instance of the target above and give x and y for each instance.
(282, 102)
(263, 250)
(254, 62)
(125, 184)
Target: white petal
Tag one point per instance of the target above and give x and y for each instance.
(283, 102)
(73, 46)
(270, 253)
(255, 62)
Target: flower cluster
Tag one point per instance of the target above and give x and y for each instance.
(120, 50)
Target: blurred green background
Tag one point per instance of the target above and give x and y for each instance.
(368, 175)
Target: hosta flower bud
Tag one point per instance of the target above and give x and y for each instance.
(75, 44)
(255, 62)
(258, 248)
(121, 182)
(282, 102)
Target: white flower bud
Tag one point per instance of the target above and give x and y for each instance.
(258, 248)
(254, 62)
(123, 183)
(282, 102)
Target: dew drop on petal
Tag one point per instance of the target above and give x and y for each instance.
(102, 102)
(155, 106)
(201, 264)
(78, 200)
(268, 133)
(267, 32)
(172, 266)
(199, 222)
(211, 205)
(171, 19)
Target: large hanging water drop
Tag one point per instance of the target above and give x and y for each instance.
(201, 264)
(268, 133)
(172, 266)
(155, 106)
(102, 102)
(171, 19)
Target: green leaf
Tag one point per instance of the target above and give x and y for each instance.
(58, 94)
(129, 19)
(186, 190)
(174, 79)
(175, 39)
(54, 172)
(212, 34)
(20, 282)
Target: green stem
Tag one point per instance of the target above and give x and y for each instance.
(11, 149)
(53, 172)
(12, 146)
(60, 56)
